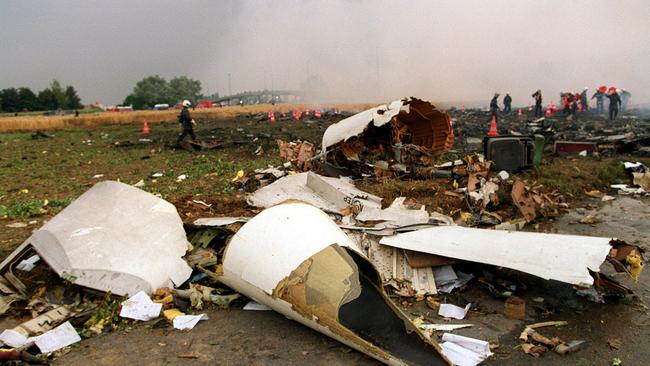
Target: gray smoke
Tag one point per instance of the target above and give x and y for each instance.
(355, 51)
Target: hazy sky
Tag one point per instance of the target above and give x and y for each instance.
(363, 50)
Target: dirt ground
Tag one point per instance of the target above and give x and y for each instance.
(237, 337)
(63, 166)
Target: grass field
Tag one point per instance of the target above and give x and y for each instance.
(31, 122)
(39, 177)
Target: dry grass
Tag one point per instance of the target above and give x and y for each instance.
(32, 123)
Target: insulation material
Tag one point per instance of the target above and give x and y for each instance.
(394, 269)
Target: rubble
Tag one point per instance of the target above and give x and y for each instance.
(325, 253)
(536, 344)
(387, 140)
(300, 153)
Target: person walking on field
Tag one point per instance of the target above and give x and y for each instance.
(186, 122)
(538, 102)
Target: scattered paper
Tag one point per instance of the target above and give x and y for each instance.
(57, 338)
(460, 281)
(181, 177)
(464, 351)
(252, 305)
(202, 203)
(608, 198)
(156, 175)
(503, 175)
(140, 184)
(444, 327)
(97, 176)
(624, 189)
(140, 307)
(12, 338)
(583, 153)
(17, 225)
(631, 165)
(453, 311)
(28, 264)
(184, 322)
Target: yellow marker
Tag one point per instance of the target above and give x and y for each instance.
(239, 175)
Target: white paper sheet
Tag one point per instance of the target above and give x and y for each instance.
(252, 305)
(464, 351)
(12, 338)
(184, 322)
(444, 274)
(28, 264)
(453, 311)
(140, 307)
(57, 338)
(461, 280)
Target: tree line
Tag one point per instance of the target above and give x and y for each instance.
(155, 89)
(147, 92)
(24, 99)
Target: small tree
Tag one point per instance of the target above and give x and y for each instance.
(28, 99)
(182, 87)
(74, 102)
(149, 92)
(10, 100)
(59, 94)
(47, 100)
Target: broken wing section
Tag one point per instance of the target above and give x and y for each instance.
(295, 260)
(566, 258)
(115, 238)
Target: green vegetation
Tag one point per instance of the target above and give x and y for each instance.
(24, 99)
(155, 89)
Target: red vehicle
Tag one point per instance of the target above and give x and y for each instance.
(205, 104)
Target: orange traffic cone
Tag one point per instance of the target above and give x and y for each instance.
(548, 111)
(493, 127)
(145, 127)
(317, 113)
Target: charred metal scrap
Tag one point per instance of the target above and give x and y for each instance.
(398, 138)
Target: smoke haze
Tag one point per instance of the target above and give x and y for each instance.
(357, 51)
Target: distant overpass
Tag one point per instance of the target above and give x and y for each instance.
(260, 97)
